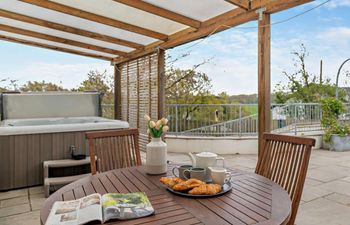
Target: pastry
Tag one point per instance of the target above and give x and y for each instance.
(188, 184)
(170, 181)
(206, 189)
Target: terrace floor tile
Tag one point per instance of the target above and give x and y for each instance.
(340, 198)
(14, 210)
(323, 212)
(13, 194)
(14, 201)
(28, 218)
(36, 190)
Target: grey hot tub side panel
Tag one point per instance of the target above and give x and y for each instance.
(44, 105)
(23, 156)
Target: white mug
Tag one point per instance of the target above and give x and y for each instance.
(219, 175)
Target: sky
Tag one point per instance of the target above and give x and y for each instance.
(324, 31)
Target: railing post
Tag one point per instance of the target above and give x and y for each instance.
(176, 119)
(240, 119)
(295, 114)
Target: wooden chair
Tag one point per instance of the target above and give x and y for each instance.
(113, 149)
(285, 160)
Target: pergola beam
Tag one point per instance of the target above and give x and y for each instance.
(273, 6)
(51, 47)
(68, 29)
(96, 18)
(244, 4)
(59, 40)
(147, 7)
(219, 23)
(233, 18)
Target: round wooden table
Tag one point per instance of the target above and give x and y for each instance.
(253, 200)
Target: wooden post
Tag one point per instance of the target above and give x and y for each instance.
(161, 83)
(264, 78)
(117, 91)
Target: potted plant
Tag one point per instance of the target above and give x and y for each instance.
(336, 134)
(156, 150)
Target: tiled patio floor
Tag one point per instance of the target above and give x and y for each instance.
(326, 197)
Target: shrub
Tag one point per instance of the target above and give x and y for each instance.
(332, 108)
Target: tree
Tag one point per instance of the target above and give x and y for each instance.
(303, 86)
(12, 85)
(33, 86)
(2, 88)
(101, 82)
(186, 86)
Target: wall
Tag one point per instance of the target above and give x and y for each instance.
(222, 145)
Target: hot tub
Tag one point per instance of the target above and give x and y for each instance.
(58, 125)
(29, 135)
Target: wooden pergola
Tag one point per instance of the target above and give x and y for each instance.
(133, 35)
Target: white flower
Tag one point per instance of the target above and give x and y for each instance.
(158, 123)
(164, 121)
(158, 126)
(152, 124)
(147, 118)
(165, 128)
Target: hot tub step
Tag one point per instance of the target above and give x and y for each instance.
(64, 180)
(66, 162)
(61, 180)
(48, 181)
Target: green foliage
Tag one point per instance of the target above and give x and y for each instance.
(101, 82)
(33, 86)
(332, 108)
(187, 86)
(303, 86)
(112, 199)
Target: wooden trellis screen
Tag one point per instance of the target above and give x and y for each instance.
(141, 91)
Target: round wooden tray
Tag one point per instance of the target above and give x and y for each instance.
(225, 188)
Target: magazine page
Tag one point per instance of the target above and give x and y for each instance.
(90, 209)
(76, 212)
(126, 206)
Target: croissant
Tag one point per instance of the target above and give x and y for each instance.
(186, 185)
(206, 189)
(170, 181)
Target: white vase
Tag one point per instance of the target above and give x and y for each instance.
(156, 153)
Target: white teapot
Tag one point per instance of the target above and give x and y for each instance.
(205, 160)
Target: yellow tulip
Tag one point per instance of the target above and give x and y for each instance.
(147, 118)
(164, 121)
(158, 123)
(158, 126)
(165, 128)
(152, 124)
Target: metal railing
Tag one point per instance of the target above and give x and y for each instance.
(189, 117)
(238, 119)
(241, 119)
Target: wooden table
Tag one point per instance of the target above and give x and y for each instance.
(253, 199)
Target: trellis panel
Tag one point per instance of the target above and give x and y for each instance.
(140, 88)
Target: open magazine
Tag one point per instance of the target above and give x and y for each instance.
(102, 208)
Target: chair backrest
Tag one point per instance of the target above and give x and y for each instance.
(285, 160)
(113, 149)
